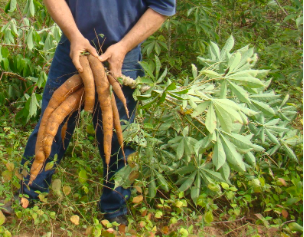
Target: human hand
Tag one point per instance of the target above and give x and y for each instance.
(78, 46)
(115, 56)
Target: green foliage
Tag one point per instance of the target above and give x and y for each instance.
(27, 49)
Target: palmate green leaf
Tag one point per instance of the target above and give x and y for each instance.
(211, 74)
(232, 156)
(240, 141)
(225, 172)
(223, 91)
(271, 136)
(188, 183)
(265, 108)
(148, 68)
(31, 8)
(273, 150)
(234, 62)
(250, 158)
(194, 71)
(210, 175)
(227, 48)
(211, 119)
(162, 181)
(214, 51)
(152, 187)
(195, 190)
(29, 39)
(157, 66)
(180, 149)
(162, 76)
(265, 96)
(33, 105)
(186, 169)
(290, 152)
(246, 78)
(219, 156)
(240, 93)
(200, 108)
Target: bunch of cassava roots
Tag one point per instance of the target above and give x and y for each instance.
(69, 97)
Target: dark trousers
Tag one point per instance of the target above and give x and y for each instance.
(112, 202)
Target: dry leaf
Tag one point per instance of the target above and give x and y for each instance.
(284, 213)
(122, 229)
(18, 175)
(142, 224)
(110, 230)
(66, 190)
(10, 166)
(138, 199)
(282, 181)
(144, 213)
(165, 230)
(75, 219)
(134, 175)
(138, 189)
(24, 202)
(105, 223)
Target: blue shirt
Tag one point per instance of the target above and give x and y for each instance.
(113, 18)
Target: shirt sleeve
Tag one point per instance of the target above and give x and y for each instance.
(164, 7)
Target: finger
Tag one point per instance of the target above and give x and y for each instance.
(104, 57)
(76, 62)
(93, 52)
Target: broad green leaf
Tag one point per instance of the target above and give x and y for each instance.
(265, 108)
(240, 141)
(157, 67)
(29, 39)
(152, 187)
(225, 172)
(271, 137)
(180, 149)
(234, 62)
(250, 158)
(219, 156)
(214, 51)
(163, 75)
(12, 6)
(187, 184)
(162, 181)
(33, 105)
(195, 190)
(223, 91)
(148, 69)
(194, 71)
(209, 174)
(31, 8)
(290, 153)
(186, 169)
(211, 74)
(82, 176)
(208, 217)
(240, 93)
(200, 108)
(227, 47)
(232, 156)
(210, 119)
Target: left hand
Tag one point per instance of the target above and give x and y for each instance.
(115, 56)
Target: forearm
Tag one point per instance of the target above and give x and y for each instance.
(61, 14)
(150, 22)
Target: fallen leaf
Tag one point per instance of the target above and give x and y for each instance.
(24, 202)
(10, 166)
(66, 190)
(75, 219)
(144, 213)
(110, 230)
(56, 185)
(282, 181)
(142, 224)
(165, 230)
(138, 199)
(105, 223)
(18, 175)
(122, 229)
(138, 189)
(284, 213)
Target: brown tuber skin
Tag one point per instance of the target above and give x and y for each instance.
(118, 92)
(67, 88)
(51, 128)
(88, 81)
(104, 98)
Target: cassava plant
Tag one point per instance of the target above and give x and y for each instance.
(219, 122)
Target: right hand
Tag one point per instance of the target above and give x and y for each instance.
(78, 46)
